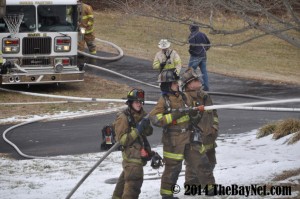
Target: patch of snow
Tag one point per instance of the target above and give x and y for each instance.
(61, 114)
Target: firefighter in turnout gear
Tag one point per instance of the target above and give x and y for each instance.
(86, 21)
(166, 58)
(208, 125)
(177, 131)
(131, 128)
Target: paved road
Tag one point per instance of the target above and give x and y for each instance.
(78, 136)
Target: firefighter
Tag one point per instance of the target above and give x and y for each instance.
(166, 58)
(208, 124)
(131, 128)
(87, 22)
(177, 131)
(69, 13)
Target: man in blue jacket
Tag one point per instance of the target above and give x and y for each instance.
(199, 44)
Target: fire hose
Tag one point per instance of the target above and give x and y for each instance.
(121, 75)
(243, 105)
(114, 147)
(121, 53)
(52, 118)
(155, 86)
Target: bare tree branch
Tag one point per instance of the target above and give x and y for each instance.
(291, 11)
(279, 18)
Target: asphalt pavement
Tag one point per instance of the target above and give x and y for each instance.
(82, 135)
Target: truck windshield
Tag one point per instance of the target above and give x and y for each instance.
(28, 22)
(57, 18)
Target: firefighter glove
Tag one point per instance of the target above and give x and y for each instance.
(143, 125)
(163, 64)
(201, 108)
(195, 116)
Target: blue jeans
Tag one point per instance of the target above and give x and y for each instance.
(201, 62)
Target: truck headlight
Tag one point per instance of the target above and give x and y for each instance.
(11, 45)
(62, 44)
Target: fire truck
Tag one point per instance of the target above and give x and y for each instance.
(38, 40)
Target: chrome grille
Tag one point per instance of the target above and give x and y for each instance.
(35, 62)
(36, 45)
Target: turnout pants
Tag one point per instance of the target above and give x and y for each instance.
(90, 42)
(130, 182)
(174, 152)
(204, 164)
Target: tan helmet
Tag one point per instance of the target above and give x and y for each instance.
(188, 76)
(164, 44)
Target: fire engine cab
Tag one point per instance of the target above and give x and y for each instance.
(38, 40)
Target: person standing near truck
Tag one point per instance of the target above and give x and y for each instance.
(86, 14)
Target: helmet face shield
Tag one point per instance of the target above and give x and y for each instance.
(140, 94)
(136, 95)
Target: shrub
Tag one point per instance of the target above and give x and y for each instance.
(266, 130)
(286, 127)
